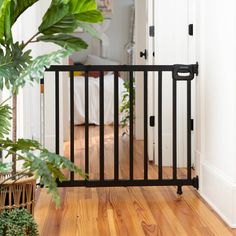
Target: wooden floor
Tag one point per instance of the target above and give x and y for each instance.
(130, 211)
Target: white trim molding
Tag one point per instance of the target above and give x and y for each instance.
(218, 190)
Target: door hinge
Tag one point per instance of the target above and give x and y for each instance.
(192, 124)
(190, 29)
(152, 31)
(152, 121)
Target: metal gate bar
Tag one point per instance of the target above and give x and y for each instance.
(160, 124)
(145, 87)
(174, 129)
(72, 123)
(131, 124)
(101, 125)
(116, 126)
(87, 123)
(179, 73)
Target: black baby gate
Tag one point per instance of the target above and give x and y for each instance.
(179, 73)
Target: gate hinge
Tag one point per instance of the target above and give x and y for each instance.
(190, 29)
(152, 121)
(152, 31)
(192, 124)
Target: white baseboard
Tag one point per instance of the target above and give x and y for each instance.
(218, 190)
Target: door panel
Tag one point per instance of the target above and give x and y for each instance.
(172, 47)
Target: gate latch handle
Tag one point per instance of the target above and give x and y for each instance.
(185, 72)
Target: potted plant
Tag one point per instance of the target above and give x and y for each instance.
(18, 67)
(18, 222)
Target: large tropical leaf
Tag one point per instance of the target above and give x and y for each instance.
(54, 16)
(82, 6)
(86, 10)
(66, 41)
(45, 165)
(93, 16)
(67, 24)
(5, 117)
(35, 71)
(64, 16)
(12, 63)
(60, 1)
(5, 21)
(20, 6)
(88, 28)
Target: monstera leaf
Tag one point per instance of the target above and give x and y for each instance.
(36, 69)
(5, 116)
(12, 63)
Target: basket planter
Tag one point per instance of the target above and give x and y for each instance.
(18, 194)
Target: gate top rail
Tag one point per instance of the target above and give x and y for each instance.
(124, 68)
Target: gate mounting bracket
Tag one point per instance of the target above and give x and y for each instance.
(196, 182)
(185, 72)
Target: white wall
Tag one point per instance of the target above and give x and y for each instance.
(29, 98)
(28, 109)
(119, 30)
(216, 105)
(118, 34)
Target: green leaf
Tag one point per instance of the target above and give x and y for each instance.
(82, 6)
(67, 24)
(17, 222)
(5, 168)
(56, 2)
(5, 117)
(64, 16)
(55, 16)
(66, 41)
(45, 165)
(5, 21)
(20, 6)
(12, 63)
(86, 10)
(93, 16)
(35, 71)
(88, 28)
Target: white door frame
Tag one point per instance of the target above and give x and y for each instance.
(144, 19)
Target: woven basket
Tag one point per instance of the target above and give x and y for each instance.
(18, 194)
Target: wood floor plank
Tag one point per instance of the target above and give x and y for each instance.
(132, 211)
(196, 204)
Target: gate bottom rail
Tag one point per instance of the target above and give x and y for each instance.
(131, 183)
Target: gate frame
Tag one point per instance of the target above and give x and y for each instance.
(179, 73)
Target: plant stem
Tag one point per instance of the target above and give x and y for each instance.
(31, 39)
(14, 130)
